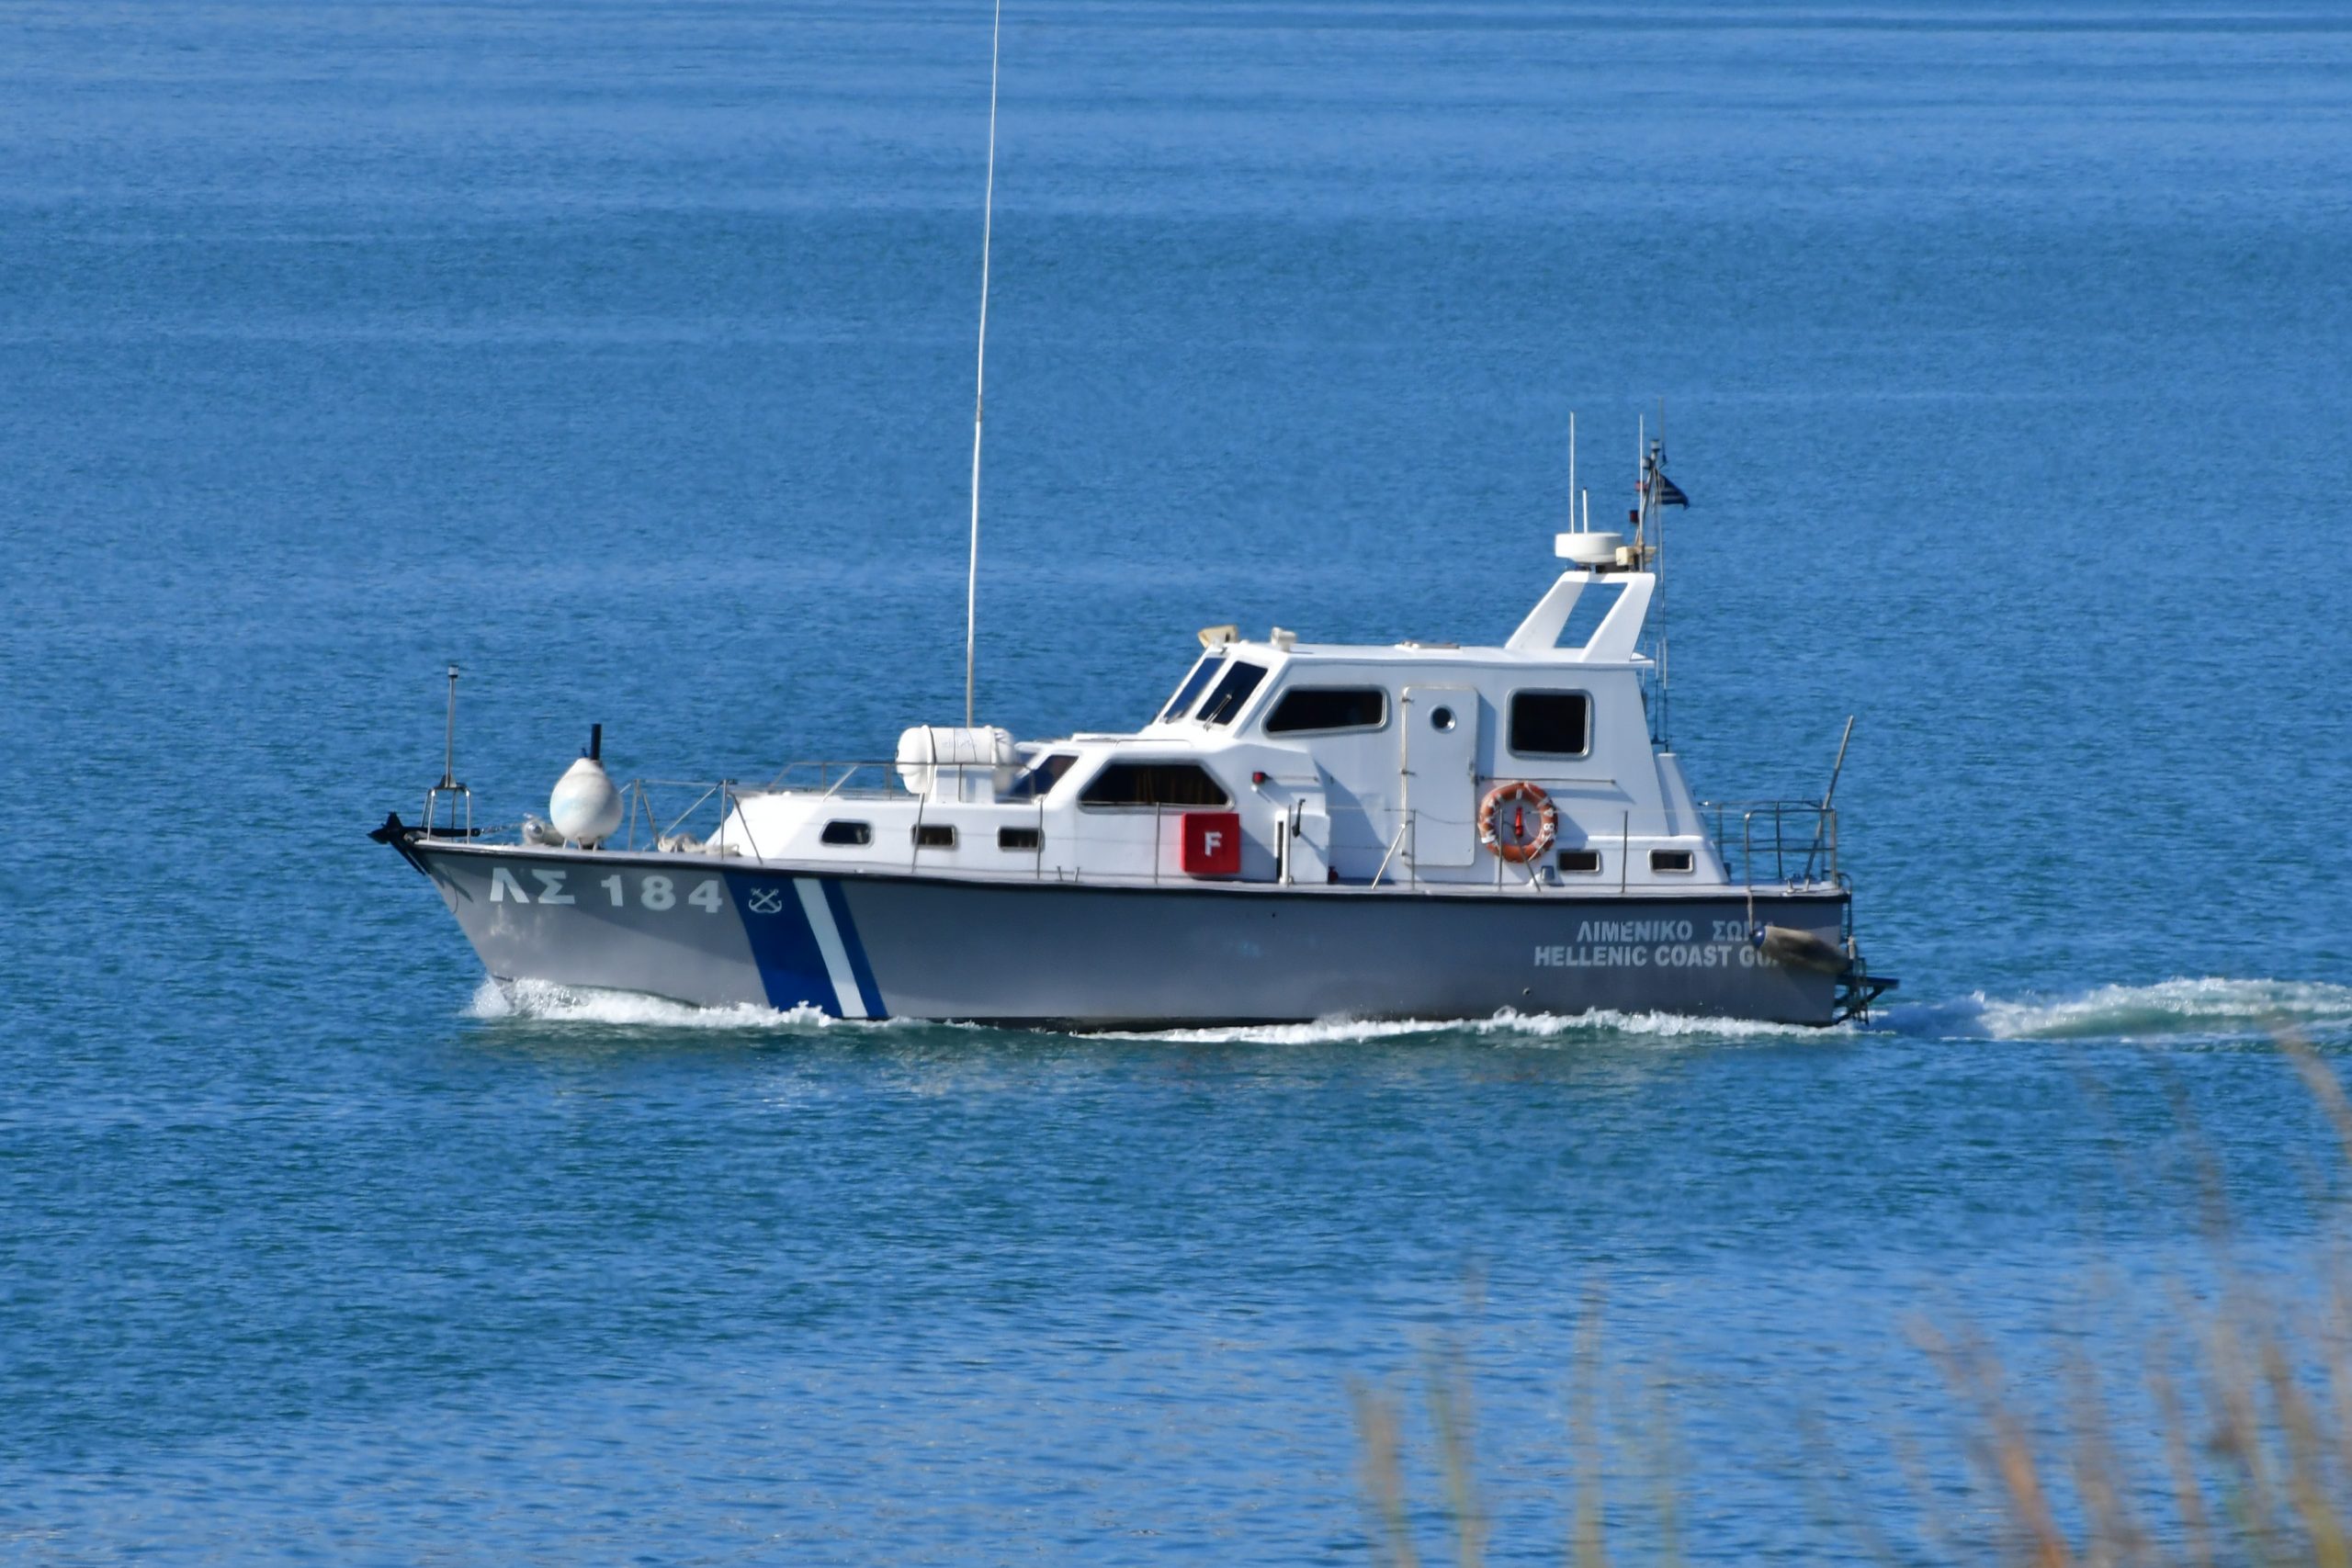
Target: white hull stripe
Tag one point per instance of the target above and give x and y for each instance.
(829, 945)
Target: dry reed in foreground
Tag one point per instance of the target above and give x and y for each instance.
(2235, 1448)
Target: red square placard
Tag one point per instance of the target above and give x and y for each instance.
(1212, 843)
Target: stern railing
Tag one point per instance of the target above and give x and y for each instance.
(1775, 843)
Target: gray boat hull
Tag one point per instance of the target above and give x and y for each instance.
(719, 932)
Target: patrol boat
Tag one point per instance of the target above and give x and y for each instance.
(1303, 830)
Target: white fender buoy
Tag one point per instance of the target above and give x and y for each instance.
(585, 808)
(1797, 948)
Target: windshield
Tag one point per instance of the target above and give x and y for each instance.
(1232, 692)
(1181, 703)
(1040, 779)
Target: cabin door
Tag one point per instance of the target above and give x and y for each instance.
(1441, 765)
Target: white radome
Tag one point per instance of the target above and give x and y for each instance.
(585, 808)
(1588, 549)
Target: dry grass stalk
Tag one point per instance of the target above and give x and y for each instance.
(2255, 1461)
(2187, 1493)
(1383, 1474)
(1450, 1416)
(2001, 1447)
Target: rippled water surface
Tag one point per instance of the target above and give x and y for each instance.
(621, 354)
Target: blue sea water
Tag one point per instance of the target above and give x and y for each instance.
(621, 353)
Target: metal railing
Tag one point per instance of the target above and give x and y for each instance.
(1761, 843)
(1778, 844)
(654, 815)
(458, 797)
(663, 814)
(867, 780)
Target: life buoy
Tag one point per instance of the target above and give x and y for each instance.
(1516, 844)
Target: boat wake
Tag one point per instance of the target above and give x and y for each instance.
(544, 1001)
(1503, 1026)
(2186, 1011)
(2182, 1008)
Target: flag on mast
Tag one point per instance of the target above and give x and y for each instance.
(1655, 488)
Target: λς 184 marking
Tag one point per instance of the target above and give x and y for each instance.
(650, 890)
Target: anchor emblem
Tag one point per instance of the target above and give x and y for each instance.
(766, 900)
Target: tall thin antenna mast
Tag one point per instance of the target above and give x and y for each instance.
(1572, 469)
(1654, 489)
(980, 375)
(1641, 518)
(1657, 466)
(449, 736)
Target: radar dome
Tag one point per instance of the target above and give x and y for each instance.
(585, 808)
(1588, 549)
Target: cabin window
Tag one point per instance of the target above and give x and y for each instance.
(1018, 837)
(1153, 783)
(1225, 703)
(1440, 719)
(934, 836)
(1551, 723)
(1670, 860)
(1583, 861)
(847, 833)
(1329, 707)
(1186, 695)
(1041, 779)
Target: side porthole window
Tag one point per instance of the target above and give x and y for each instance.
(1670, 860)
(1440, 719)
(1581, 861)
(934, 836)
(1018, 837)
(848, 833)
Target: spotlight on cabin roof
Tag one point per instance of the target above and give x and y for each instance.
(1217, 636)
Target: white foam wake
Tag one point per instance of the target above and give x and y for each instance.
(1596, 1024)
(1663, 1025)
(543, 1000)
(2182, 1008)
(2213, 1007)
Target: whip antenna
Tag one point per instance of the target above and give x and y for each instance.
(450, 737)
(980, 375)
(1572, 470)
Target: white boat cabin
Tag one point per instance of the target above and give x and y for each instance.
(1282, 762)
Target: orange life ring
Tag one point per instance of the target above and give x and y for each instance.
(1520, 796)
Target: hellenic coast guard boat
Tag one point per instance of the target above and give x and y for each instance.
(1304, 830)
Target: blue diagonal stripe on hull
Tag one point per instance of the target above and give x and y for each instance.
(866, 987)
(783, 945)
(811, 893)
